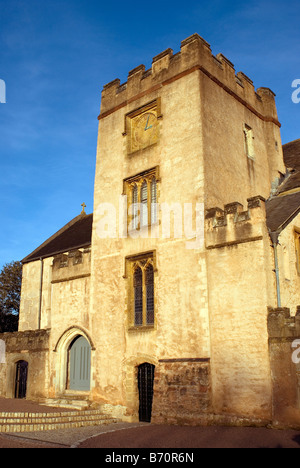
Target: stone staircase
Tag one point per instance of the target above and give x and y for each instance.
(29, 422)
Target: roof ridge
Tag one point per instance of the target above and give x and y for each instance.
(55, 235)
(291, 142)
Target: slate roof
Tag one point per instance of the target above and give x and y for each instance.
(74, 235)
(291, 154)
(284, 206)
(282, 210)
(291, 182)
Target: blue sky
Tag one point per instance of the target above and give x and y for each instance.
(55, 57)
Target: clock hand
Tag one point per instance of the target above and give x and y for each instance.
(146, 127)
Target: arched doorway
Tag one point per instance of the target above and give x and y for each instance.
(21, 379)
(79, 364)
(63, 349)
(145, 385)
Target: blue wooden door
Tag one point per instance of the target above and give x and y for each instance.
(80, 364)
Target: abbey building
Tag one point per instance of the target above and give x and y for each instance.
(176, 300)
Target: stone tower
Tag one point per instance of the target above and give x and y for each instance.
(187, 133)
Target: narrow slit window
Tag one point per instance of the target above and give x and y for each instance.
(248, 139)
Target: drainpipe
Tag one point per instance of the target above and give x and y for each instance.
(41, 293)
(274, 237)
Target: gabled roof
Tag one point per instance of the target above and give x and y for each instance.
(74, 235)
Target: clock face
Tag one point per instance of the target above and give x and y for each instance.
(144, 130)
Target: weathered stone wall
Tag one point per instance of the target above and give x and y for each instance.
(239, 271)
(287, 262)
(30, 296)
(52, 287)
(283, 330)
(182, 392)
(55, 295)
(223, 139)
(31, 346)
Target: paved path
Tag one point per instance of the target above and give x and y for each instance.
(18, 406)
(142, 435)
(64, 438)
(124, 435)
(185, 437)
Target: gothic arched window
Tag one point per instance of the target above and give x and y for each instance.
(141, 191)
(141, 306)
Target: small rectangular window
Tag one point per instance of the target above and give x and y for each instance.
(248, 140)
(297, 249)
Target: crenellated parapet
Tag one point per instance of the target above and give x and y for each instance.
(71, 265)
(25, 341)
(234, 225)
(195, 55)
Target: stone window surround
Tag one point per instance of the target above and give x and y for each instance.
(141, 260)
(138, 180)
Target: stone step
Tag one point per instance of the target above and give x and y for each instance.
(69, 403)
(28, 422)
(6, 417)
(75, 405)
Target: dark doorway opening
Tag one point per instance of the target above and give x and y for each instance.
(21, 379)
(145, 384)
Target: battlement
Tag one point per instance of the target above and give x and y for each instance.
(195, 55)
(234, 225)
(30, 340)
(72, 265)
